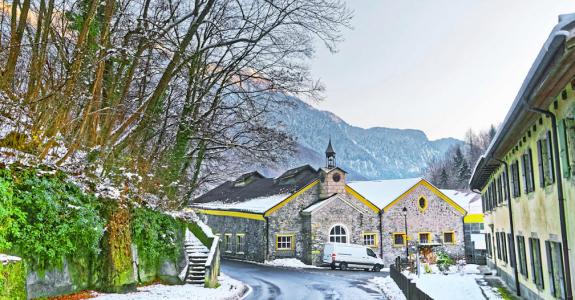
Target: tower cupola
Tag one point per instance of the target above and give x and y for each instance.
(330, 156)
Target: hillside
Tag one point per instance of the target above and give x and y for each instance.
(373, 153)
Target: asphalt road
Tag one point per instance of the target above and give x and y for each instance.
(269, 282)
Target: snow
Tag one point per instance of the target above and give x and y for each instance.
(388, 287)
(5, 259)
(289, 263)
(463, 283)
(466, 199)
(383, 192)
(205, 228)
(229, 289)
(256, 205)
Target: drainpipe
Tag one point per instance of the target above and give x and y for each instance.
(508, 195)
(380, 233)
(267, 238)
(561, 199)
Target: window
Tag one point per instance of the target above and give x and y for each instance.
(502, 236)
(338, 234)
(284, 242)
(511, 253)
(499, 190)
(240, 243)
(398, 239)
(228, 242)
(536, 266)
(522, 256)
(424, 238)
(505, 179)
(498, 241)
(371, 253)
(422, 203)
(449, 238)
(545, 160)
(515, 179)
(488, 244)
(555, 267)
(370, 239)
(528, 182)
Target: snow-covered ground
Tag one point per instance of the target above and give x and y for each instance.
(464, 283)
(290, 263)
(229, 289)
(388, 287)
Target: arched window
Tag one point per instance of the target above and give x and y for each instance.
(337, 234)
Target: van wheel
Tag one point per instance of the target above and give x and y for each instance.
(376, 268)
(332, 266)
(343, 266)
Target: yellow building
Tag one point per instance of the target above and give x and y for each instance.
(527, 177)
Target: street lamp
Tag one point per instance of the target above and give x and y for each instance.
(406, 243)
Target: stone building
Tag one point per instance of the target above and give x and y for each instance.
(527, 177)
(296, 213)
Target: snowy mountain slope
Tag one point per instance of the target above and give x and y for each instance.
(373, 153)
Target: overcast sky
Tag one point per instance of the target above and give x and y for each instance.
(441, 66)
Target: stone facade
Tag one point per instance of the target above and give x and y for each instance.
(346, 211)
(253, 232)
(436, 217)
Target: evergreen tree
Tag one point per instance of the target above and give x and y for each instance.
(443, 179)
(464, 174)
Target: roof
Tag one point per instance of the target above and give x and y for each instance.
(329, 149)
(258, 194)
(383, 192)
(542, 83)
(470, 201)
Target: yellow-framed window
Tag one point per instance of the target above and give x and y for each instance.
(399, 239)
(422, 203)
(424, 237)
(369, 239)
(285, 241)
(240, 242)
(449, 237)
(228, 242)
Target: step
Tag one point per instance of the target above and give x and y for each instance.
(197, 254)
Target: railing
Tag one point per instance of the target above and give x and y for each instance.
(213, 263)
(409, 289)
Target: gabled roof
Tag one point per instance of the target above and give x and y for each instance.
(322, 203)
(470, 201)
(383, 192)
(259, 194)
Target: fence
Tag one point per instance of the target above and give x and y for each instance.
(409, 289)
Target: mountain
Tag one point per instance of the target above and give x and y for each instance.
(373, 153)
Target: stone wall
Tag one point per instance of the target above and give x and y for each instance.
(254, 232)
(289, 220)
(437, 217)
(344, 210)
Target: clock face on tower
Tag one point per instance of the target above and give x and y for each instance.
(336, 177)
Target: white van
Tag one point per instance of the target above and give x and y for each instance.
(347, 256)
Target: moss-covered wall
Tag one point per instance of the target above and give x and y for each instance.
(12, 280)
(73, 241)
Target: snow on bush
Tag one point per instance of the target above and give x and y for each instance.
(388, 287)
(290, 263)
(229, 289)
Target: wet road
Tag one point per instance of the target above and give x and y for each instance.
(286, 283)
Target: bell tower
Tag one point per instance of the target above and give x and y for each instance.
(330, 156)
(332, 178)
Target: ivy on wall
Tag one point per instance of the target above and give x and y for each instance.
(44, 219)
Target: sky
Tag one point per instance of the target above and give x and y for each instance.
(442, 66)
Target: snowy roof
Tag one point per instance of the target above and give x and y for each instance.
(255, 205)
(470, 201)
(253, 192)
(383, 192)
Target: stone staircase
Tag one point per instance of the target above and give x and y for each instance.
(197, 257)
